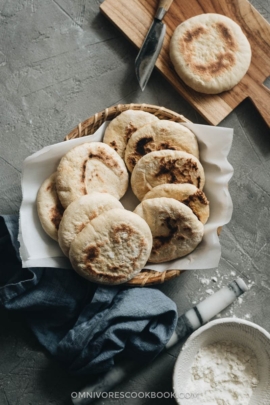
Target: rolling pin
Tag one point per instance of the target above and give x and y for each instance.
(186, 324)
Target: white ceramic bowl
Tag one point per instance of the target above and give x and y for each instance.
(240, 332)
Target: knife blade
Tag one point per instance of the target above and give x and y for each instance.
(148, 54)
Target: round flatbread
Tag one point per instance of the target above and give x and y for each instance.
(210, 53)
(113, 248)
(159, 135)
(89, 167)
(80, 212)
(166, 166)
(187, 194)
(49, 208)
(123, 126)
(175, 229)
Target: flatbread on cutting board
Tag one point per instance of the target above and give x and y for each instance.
(210, 53)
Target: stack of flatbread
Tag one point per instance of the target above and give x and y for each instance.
(79, 205)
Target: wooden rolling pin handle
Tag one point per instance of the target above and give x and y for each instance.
(166, 4)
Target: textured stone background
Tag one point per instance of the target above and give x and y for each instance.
(60, 62)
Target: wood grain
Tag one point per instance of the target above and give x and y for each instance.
(134, 18)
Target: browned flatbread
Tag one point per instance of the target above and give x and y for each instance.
(81, 212)
(166, 166)
(89, 167)
(123, 126)
(186, 193)
(113, 248)
(210, 53)
(49, 208)
(175, 229)
(159, 135)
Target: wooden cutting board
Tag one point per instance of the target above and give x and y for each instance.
(134, 17)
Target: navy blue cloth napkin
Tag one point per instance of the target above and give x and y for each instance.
(83, 325)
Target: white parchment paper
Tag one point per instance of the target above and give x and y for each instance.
(39, 250)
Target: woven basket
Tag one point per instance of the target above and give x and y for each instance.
(89, 126)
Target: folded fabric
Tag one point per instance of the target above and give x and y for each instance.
(83, 325)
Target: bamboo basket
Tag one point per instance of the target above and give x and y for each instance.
(89, 126)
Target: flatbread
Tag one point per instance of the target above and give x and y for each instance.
(123, 126)
(159, 135)
(89, 167)
(49, 208)
(175, 229)
(113, 248)
(188, 194)
(210, 53)
(166, 166)
(81, 212)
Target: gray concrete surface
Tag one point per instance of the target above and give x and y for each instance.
(60, 62)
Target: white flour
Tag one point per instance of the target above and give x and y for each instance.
(223, 373)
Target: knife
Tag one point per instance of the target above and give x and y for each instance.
(187, 323)
(146, 58)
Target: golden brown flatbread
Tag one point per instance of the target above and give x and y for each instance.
(123, 126)
(185, 193)
(160, 135)
(175, 229)
(113, 248)
(166, 166)
(49, 208)
(81, 212)
(210, 53)
(89, 167)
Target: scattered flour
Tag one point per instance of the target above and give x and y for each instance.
(210, 291)
(205, 281)
(223, 373)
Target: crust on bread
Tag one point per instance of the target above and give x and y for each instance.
(113, 248)
(166, 166)
(81, 212)
(49, 208)
(123, 126)
(160, 135)
(187, 194)
(175, 229)
(89, 167)
(210, 53)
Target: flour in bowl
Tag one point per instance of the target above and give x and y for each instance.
(223, 373)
